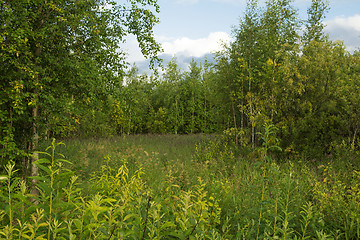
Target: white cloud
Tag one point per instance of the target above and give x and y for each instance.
(352, 22)
(196, 47)
(179, 46)
(346, 29)
(131, 47)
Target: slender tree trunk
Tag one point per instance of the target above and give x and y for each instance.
(35, 137)
(235, 125)
(250, 100)
(242, 107)
(242, 113)
(251, 107)
(26, 160)
(35, 155)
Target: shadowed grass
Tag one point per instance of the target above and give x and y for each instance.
(156, 154)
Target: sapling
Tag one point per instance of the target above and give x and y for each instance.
(307, 216)
(269, 143)
(11, 184)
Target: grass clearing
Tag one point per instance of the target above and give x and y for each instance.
(189, 187)
(243, 189)
(157, 155)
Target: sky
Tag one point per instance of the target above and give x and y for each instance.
(195, 28)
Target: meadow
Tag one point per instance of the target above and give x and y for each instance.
(182, 187)
(64, 74)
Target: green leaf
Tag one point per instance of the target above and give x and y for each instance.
(46, 169)
(276, 148)
(177, 235)
(132, 215)
(78, 223)
(44, 187)
(65, 161)
(108, 200)
(167, 225)
(41, 237)
(45, 153)
(14, 184)
(3, 178)
(42, 160)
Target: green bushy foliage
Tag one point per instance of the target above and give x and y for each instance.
(217, 194)
(269, 199)
(120, 205)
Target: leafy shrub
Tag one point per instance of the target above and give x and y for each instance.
(119, 206)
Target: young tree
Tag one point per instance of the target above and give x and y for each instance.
(191, 96)
(324, 77)
(247, 58)
(170, 92)
(54, 53)
(314, 24)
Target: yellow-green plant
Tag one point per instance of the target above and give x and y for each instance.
(339, 200)
(270, 142)
(11, 182)
(50, 184)
(307, 216)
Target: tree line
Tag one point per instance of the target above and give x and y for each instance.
(62, 75)
(280, 70)
(284, 71)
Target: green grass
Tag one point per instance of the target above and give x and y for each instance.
(201, 185)
(138, 149)
(240, 185)
(157, 155)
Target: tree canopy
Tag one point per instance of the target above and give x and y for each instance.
(63, 74)
(60, 59)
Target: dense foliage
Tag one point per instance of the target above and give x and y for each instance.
(180, 187)
(61, 76)
(60, 60)
(306, 85)
(280, 89)
(298, 83)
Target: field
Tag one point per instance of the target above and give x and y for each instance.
(277, 106)
(182, 187)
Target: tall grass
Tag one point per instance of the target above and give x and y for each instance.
(181, 187)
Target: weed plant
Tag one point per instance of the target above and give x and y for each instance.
(120, 205)
(181, 187)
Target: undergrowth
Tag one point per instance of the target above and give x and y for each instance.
(119, 206)
(141, 190)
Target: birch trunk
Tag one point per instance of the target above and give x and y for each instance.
(35, 155)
